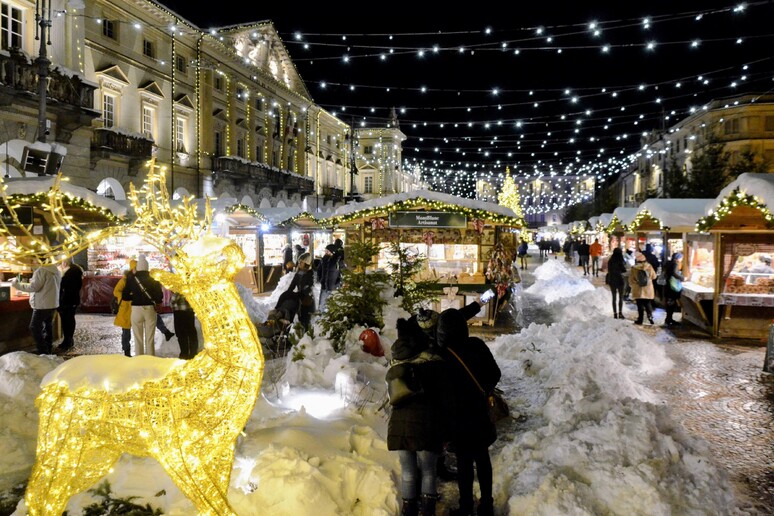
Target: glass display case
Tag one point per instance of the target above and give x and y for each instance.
(273, 247)
(249, 244)
(700, 262)
(446, 262)
(111, 256)
(748, 275)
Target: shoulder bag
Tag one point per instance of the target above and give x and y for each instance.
(496, 407)
(157, 306)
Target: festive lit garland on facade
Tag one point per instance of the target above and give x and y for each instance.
(411, 204)
(735, 199)
(640, 217)
(614, 222)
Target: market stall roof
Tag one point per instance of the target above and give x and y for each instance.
(621, 217)
(424, 199)
(745, 204)
(605, 219)
(290, 216)
(83, 204)
(679, 215)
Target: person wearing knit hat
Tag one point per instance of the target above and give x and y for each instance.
(428, 321)
(328, 274)
(641, 282)
(145, 292)
(418, 387)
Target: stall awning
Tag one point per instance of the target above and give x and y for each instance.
(622, 217)
(423, 199)
(82, 204)
(678, 215)
(745, 204)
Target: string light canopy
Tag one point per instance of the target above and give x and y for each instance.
(189, 414)
(606, 80)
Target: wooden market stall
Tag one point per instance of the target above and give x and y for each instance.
(742, 225)
(670, 226)
(456, 235)
(87, 209)
(618, 229)
(287, 226)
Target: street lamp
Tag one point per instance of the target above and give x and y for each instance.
(352, 138)
(42, 33)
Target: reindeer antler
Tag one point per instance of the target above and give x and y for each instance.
(166, 227)
(71, 237)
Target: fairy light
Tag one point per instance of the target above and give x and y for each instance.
(735, 199)
(69, 238)
(189, 419)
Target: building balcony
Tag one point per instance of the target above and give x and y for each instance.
(332, 193)
(135, 150)
(70, 99)
(239, 170)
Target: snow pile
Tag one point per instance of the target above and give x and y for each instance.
(587, 437)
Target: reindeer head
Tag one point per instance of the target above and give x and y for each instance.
(202, 263)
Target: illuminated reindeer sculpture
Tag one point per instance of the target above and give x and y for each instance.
(188, 418)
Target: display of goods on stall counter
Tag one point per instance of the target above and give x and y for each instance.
(736, 285)
(417, 236)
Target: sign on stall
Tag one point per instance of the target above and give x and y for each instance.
(24, 213)
(427, 219)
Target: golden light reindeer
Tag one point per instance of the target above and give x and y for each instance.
(190, 418)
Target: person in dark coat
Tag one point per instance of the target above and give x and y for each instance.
(69, 300)
(301, 288)
(419, 424)
(584, 250)
(184, 319)
(287, 259)
(329, 274)
(473, 431)
(145, 293)
(674, 286)
(616, 268)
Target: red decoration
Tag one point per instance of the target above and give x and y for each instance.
(428, 237)
(478, 225)
(378, 224)
(371, 343)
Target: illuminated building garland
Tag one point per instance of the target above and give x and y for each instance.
(245, 208)
(189, 418)
(733, 200)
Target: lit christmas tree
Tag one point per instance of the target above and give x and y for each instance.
(509, 194)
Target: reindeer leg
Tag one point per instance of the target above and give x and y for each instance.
(201, 480)
(59, 471)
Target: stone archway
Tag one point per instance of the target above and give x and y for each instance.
(281, 204)
(265, 203)
(112, 189)
(247, 201)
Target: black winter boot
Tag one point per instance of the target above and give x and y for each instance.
(427, 504)
(485, 508)
(410, 507)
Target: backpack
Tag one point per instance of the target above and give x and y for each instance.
(643, 278)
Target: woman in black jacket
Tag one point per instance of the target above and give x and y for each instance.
(419, 423)
(616, 268)
(473, 431)
(674, 286)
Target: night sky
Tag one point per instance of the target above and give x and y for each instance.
(593, 104)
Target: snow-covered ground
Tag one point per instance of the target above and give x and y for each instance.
(586, 436)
